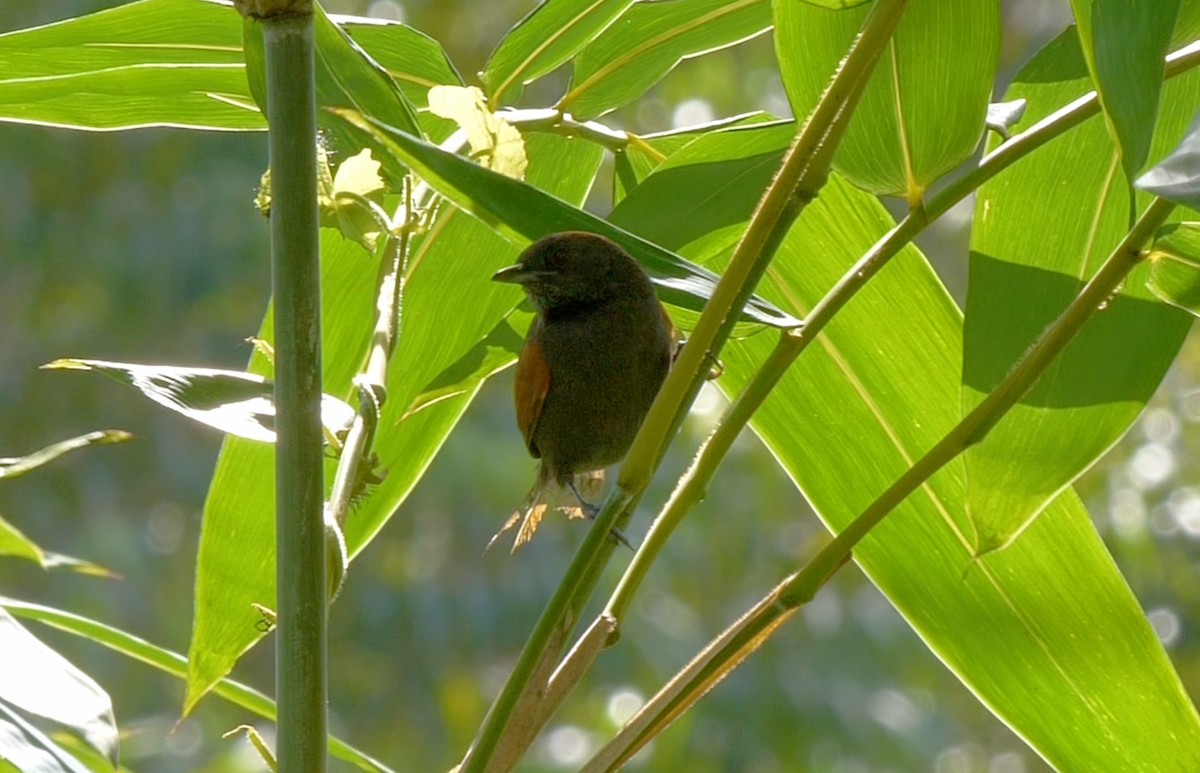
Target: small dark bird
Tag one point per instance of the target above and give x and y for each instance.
(595, 356)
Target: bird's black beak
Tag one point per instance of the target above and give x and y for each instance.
(517, 274)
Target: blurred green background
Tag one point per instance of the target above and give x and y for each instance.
(144, 246)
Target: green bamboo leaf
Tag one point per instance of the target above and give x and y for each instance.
(648, 41)
(148, 63)
(348, 78)
(496, 351)
(730, 166)
(522, 213)
(35, 680)
(92, 760)
(644, 153)
(1187, 24)
(359, 81)
(455, 260)
(235, 566)
(1118, 702)
(181, 63)
(241, 404)
(1175, 266)
(552, 33)
(415, 61)
(835, 5)
(170, 663)
(847, 404)
(1124, 44)
(923, 111)
(1041, 230)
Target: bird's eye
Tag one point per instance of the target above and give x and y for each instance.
(556, 261)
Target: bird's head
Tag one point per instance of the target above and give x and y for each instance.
(573, 268)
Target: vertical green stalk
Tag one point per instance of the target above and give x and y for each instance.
(299, 488)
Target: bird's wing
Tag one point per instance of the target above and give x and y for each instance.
(531, 384)
(673, 334)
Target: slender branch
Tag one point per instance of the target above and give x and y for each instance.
(300, 542)
(708, 667)
(558, 122)
(803, 172)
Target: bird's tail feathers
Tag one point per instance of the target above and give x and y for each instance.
(548, 495)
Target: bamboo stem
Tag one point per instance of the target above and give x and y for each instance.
(299, 465)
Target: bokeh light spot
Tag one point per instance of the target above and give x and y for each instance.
(623, 704)
(1167, 625)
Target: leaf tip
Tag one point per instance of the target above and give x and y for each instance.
(65, 363)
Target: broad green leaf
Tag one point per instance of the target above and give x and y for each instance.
(360, 81)
(174, 63)
(168, 662)
(148, 63)
(415, 61)
(455, 259)
(1124, 44)
(1175, 266)
(496, 351)
(648, 41)
(645, 152)
(522, 213)
(1041, 230)
(235, 562)
(552, 33)
(849, 405)
(241, 404)
(1117, 701)
(1187, 24)
(835, 5)
(923, 111)
(36, 680)
(346, 77)
(731, 167)
(1177, 177)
